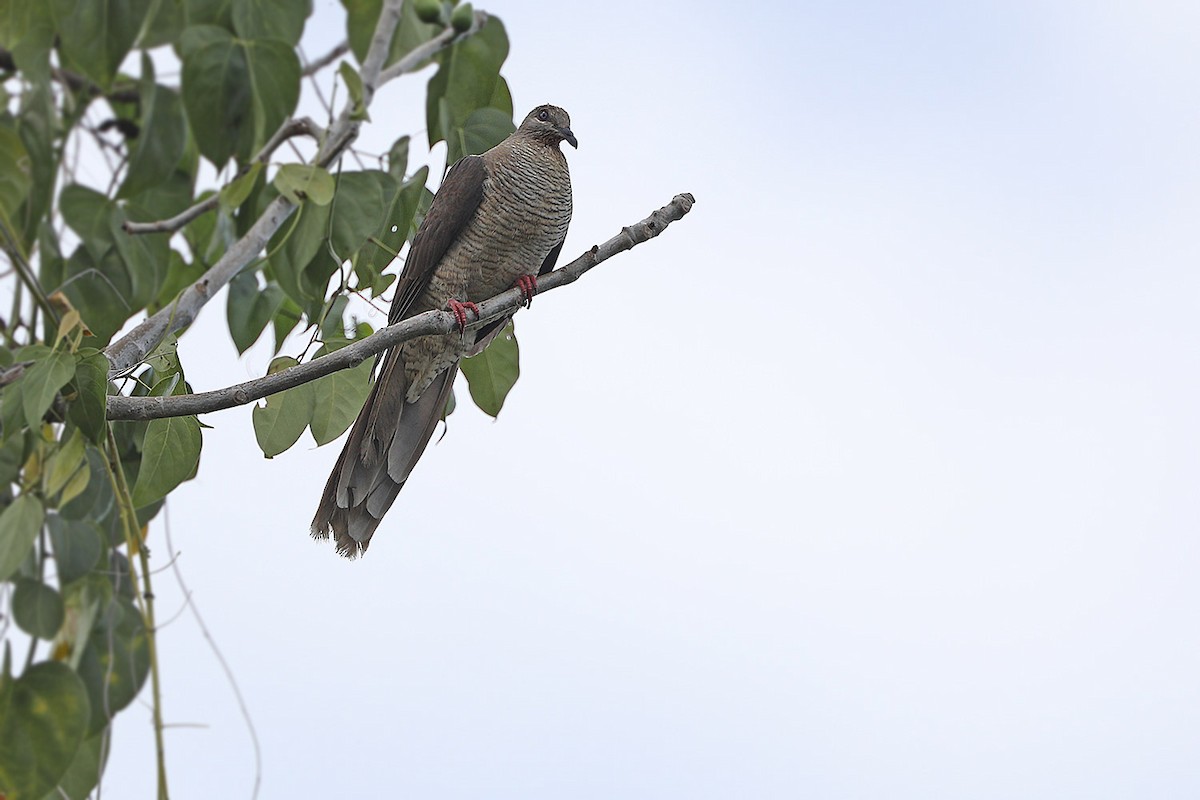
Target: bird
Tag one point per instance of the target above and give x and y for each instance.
(498, 220)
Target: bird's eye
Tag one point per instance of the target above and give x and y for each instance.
(544, 115)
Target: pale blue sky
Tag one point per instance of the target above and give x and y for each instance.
(875, 477)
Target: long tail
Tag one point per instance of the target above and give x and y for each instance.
(384, 445)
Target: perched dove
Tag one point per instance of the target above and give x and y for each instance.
(498, 220)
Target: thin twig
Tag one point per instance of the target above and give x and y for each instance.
(430, 322)
(134, 540)
(325, 60)
(176, 222)
(25, 270)
(301, 126)
(212, 643)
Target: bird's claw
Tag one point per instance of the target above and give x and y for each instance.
(459, 310)
(528, 286)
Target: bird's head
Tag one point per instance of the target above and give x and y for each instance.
(549, 124)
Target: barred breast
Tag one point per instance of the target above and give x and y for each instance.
(524, 214)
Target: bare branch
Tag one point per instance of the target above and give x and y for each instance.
(423, 53)
(431, 322)
(301, 126)
(176, 222)
(133, 346)
(327, 59)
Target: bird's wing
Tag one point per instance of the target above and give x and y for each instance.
(552, 257)
(452, 208)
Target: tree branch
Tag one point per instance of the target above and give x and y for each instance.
(430, 322)
(176, 222)
(301, 126)
(325, 60)
(131, 348)
(423, 53)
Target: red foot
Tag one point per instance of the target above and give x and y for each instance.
(528, 286)
(459, 310)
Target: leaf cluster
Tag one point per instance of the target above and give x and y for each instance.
(83, 80)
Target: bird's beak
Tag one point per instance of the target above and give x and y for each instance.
(569, 137)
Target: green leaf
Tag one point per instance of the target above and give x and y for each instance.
(337, 399)
(209, 12)
(165, 26)
(354, 87)
(19, 527)
(62, 465)
(87, 212)
(237, 92)
(164, 360)
(76, 544)
(294, 246)
(180, 275)
(37, 608)
(95, 35)
(361, 18)
(333, 325)
(114, 663)
(12, 454)
(42, 382)
(170, 454)
(27, 31)
(76, 486)
(484, 129)
(249, 308)
(466, 80)
(377, 254)
(397, 159)
(82, 776)
(12, 413)
(271, 19)
(171, 196)
(160, 144)
(279, 423)
(43, 718)
(97, 499)
(37, 124)
(327, 239)
(358, 209)
(493, 373)
(239, 189)
(300, 182)
(285, 321)
(87, 410)
(112, 274)
(145, 258)
(16, 169)
(99, 289)
(410, 33)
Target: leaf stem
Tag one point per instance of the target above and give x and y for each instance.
(135, 541)
(25, 271)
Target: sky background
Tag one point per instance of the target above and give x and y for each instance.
(873, 477)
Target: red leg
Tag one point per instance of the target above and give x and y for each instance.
(528, 286)
(459, 310)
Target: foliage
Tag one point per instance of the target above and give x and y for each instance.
(78, 492)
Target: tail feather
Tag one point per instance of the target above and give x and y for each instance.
(364, 484)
